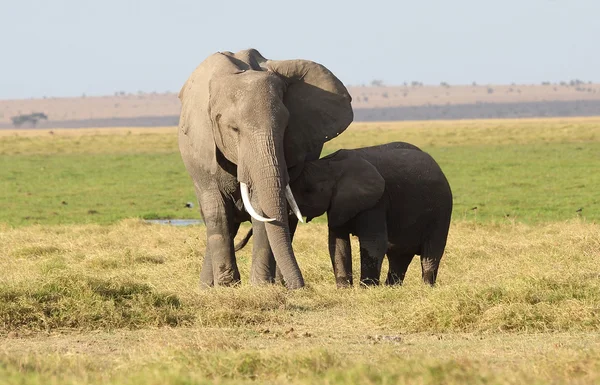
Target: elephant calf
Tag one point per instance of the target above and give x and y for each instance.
(394, 197)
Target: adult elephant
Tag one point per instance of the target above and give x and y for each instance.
(247, 119)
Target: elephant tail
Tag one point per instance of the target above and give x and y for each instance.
(243, 242)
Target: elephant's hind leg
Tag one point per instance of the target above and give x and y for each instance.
(399, 261)
(433, 250)
(430, 260)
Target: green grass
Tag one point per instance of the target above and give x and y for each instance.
(95, 188)
(526, 182)
(531, 171)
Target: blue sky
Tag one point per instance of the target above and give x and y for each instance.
(71, 47)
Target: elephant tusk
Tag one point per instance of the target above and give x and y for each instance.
(248, 205)
(292, 202)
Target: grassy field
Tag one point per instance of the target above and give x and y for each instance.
(531, 170)
(96, 304)
(102, 297)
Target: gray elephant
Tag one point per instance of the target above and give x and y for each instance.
(247, 127)
(394, 197)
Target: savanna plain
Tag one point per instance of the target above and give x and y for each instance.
(90, 293)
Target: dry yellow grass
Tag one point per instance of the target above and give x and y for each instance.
(470, 132)
(82, 132)
(205, 355)
(421, 133)
(93, 304)
(133, 140)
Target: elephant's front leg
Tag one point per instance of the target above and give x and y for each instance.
(221, 227)
(207, 278)
(263, 262)
(264, 268)
(340, 252)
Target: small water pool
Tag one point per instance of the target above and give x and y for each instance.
(175, 222)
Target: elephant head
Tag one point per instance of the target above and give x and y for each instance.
(265, 117)
(341, 184)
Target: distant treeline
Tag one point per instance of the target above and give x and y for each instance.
(428, 112)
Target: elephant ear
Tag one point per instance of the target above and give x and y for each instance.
(359, 186)
(318, 103)
(196, 139)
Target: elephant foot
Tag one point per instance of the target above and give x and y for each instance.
(394, 280)
(429, 269)
(366, 282)
(429, 278)
(261, 281)
(226, 276)
(343, 282)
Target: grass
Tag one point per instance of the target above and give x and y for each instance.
(205, 356)
(121, 304)
(94, 188)
(532, 170)
(90, 294)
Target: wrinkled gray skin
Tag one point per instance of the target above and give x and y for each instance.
(248, 119)
(394, 197)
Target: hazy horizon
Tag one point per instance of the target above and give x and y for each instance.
(69, 48)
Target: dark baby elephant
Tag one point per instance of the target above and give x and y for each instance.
(394, 197)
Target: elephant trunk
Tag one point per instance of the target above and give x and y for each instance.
(268, 175)
(248, 205)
